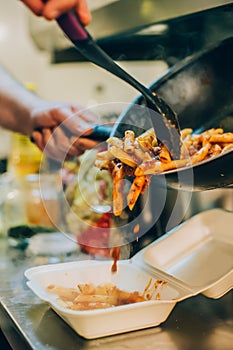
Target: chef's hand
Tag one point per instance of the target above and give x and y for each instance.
(58, 130)
(56, 127)
(51, 9)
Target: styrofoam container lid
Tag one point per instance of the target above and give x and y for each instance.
(198, 254)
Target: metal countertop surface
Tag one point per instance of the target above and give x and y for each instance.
(197, 323)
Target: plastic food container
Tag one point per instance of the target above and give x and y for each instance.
(194, 258)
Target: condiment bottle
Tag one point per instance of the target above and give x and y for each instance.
(25, 157)
(31, 206)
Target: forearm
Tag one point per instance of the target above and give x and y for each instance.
(16, 103)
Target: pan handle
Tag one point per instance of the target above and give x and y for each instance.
(71, 26)
(100, 132)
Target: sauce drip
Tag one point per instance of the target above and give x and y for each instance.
(115, 255)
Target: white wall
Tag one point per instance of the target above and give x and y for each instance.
(80, 82)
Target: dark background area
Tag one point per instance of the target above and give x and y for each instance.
(183, 37)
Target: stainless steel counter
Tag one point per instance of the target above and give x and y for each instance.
(197, 323)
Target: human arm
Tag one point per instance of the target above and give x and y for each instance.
(51, 9)
(25, 112)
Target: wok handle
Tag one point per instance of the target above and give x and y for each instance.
(100, 132)
(71, 26)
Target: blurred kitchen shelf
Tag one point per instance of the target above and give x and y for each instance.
(170, 39)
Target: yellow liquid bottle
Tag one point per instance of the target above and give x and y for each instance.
(25, 157)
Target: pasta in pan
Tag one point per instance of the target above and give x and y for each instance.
(141, 157)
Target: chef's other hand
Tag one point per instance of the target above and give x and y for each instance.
(51, 9)
(56, 126)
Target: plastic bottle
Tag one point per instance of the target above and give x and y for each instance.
(5, 137)
(25, 157)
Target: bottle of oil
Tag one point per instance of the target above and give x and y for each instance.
(25, 157)
(5, 137)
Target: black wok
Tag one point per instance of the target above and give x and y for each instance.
(200, 90)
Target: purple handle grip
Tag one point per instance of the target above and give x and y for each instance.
(71, 26)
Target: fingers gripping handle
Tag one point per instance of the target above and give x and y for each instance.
(71, 26)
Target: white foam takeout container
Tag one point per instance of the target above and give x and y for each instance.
(195, 257)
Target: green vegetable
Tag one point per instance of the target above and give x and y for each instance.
(24, 231)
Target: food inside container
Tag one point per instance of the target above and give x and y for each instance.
(194, 258)
(88, 296)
